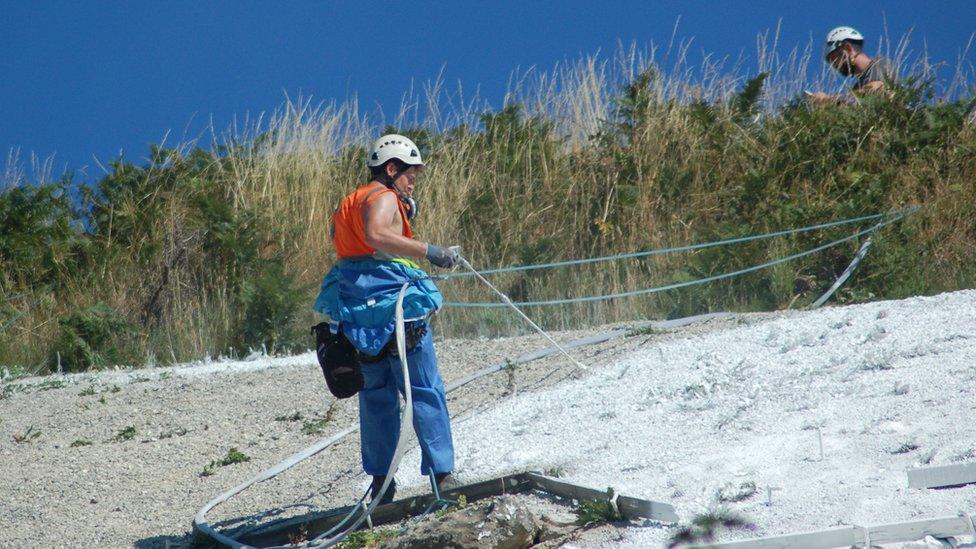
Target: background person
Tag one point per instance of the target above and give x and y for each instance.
(845, 53)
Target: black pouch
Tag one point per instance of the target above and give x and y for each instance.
(339, 361)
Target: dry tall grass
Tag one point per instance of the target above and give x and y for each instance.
(549, 177)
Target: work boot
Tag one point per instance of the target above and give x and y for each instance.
(446, 481)
(377, 484)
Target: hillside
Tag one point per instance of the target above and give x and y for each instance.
(669, 416)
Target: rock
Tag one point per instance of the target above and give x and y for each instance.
(730, 493)
(504, 522)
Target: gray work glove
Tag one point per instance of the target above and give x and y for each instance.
(444, 258)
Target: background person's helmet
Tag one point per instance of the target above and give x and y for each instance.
(394, 146)
(838, 36)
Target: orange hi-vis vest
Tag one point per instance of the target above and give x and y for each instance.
(349, 221)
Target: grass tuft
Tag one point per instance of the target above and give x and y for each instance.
(233, 456)
(126, 433)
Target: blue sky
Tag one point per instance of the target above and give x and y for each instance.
(86, 80)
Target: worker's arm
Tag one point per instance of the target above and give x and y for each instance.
(382, 232)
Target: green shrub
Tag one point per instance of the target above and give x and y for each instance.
(597, 511)
(93, 337)
(271, 309)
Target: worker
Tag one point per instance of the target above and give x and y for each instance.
(377, 253)
(844, 51)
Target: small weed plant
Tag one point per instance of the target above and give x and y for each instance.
(556, 471)
(367, 539)
(126, 433)
(297, 416)
(233, 456)
(30, 435)
(597, 511)
(706, 526)
(314, 427)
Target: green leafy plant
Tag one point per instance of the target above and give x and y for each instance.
(81, 442)
(597, 511)
(314, 427)
(91, 338)
(233, 456)
(124, 434)
(271, 304)
(366, 539)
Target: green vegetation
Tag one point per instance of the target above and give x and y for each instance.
(233, 456)
(556, 471)
(297, 416)
(81, 442)
(706, 526)
(597, 511)
(30, 435)
(126, 433)
(365, 539)
(314, 427)
(195, 253)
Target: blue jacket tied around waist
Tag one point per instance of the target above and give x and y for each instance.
(361, 296)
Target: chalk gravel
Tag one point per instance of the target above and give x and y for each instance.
(670, 416)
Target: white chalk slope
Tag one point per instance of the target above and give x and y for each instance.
(888, 385)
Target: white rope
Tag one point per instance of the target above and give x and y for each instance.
(519, 311)
(406, 419)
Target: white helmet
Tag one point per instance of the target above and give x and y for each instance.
(394, 146)
(837, 37)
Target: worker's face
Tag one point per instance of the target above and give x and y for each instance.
(407, 179)
(840, 59)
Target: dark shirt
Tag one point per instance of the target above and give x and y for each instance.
(879, 70)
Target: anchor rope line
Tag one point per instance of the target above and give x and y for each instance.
(508, 302)
(731, 274)
(684, 248)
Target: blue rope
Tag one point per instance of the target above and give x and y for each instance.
(686, 248)
(897, 216)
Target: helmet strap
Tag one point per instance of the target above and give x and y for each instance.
(409, 204)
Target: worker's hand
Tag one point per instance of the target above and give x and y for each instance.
(444, 258)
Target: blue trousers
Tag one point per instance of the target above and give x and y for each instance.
(379, 411)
